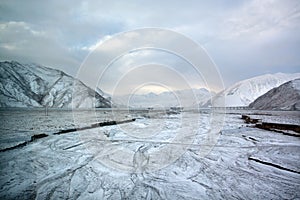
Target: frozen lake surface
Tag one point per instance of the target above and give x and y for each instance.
(158, 156)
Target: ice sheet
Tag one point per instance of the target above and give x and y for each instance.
(111, 163)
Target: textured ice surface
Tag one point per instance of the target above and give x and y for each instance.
(90, 164)
(19, 124)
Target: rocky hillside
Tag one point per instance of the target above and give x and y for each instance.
(284, 97)
(246, 91)
(33, 85)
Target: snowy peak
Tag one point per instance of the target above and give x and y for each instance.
(32, 85)
(246, 91)
(284, 97)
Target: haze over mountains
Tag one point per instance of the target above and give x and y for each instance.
(182, 98)
(32, 85)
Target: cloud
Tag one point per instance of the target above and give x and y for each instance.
(19, 41)
(118, 56)
(94, 46)
(150, 66)
(244, 38)
(259, 37)
(262, 19)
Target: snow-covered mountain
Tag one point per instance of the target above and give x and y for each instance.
(284, 97)
(246, 91)
(183, 98)
(32, 85)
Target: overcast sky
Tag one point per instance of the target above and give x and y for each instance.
(243, 38)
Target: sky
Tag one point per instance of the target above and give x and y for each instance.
(242, 38)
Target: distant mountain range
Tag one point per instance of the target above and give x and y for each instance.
(246, 91)
(284, 97)
(33, 85)
(182, 98)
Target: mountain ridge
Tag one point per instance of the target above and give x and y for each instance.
(34, 85)
(246, 91)
(283, 97)
(182, 98)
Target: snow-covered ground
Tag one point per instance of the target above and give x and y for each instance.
(158, 156)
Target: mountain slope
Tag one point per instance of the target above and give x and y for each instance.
(32, 85)
(246, 91)
(184, 98)
(284, 97)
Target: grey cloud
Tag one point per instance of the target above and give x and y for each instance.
(157, 65)
(152, 46)
(18, 41)
(244, 38)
